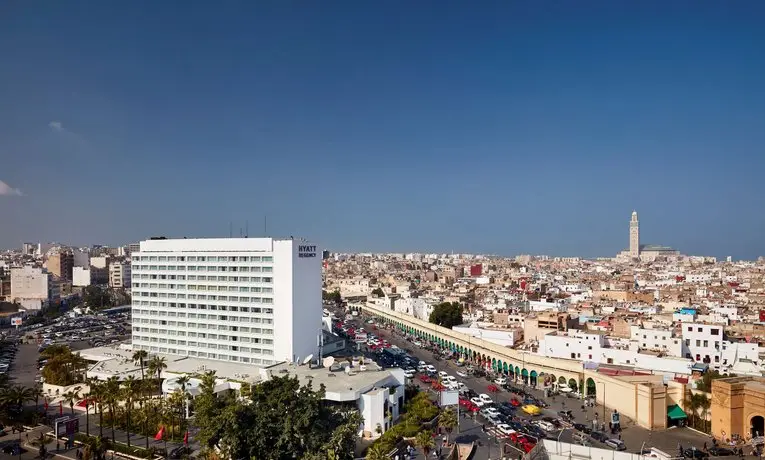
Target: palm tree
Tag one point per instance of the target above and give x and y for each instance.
(112, 398)
(376, 452)
(448, 421)
(158, 364)
(140, 357)
(129, 391)
(71, 397)
(183, 381)
(424, 440)
(704, 405)
(97, 393)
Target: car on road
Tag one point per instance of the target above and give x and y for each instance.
(616, 444)
(485, 398)
(582, 427)
(461, 374)
(501, 380)
(599, 436)
(505, 429)
(720, 452)
(531, 409)
(477, 401)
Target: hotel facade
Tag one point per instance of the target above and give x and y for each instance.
(246, 300)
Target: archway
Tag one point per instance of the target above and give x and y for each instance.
(591, 387)
(757, 426)
(572, 384)
(493, 364)
(511, 372)
(533, 378)
(550, 379)
(525, 376)
(562, 380)
(504, 368)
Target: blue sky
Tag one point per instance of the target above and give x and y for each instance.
(506, 128)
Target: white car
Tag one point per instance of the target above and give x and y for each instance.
(461, 374)
(461, 386)
(477, 401)
(485, 398)
(409, 374)
(505, 429)
(430, 368)
(450, 380)
(500, 380)
(442, 374)
(491, 411)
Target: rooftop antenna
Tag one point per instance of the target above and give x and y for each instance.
(265, 225)
(247, 229)
(230, 229)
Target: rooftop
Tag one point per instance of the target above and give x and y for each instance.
(342, 385)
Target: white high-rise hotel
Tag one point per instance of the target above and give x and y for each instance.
(247, 300)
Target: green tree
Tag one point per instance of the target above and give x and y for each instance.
(139, 356)
(448, 421)
(281, 420)
(446, 314)
(377, 452)
(71, 397)
(705, 383)
(129, 393)
(424, 440)
(333, 296)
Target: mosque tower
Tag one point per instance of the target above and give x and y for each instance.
(634, 235)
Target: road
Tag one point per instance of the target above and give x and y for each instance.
(633, 436)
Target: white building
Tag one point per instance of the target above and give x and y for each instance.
(702, 343)
(33, 287)
(657, 339)
(247, 300)
(120, 275)
(81, 276)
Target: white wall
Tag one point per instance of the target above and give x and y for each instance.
(81, 276)
(29, 283)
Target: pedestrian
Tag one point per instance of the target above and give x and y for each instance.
(705, 446)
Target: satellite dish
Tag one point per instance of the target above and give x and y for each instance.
(328, 362)
(308, 359)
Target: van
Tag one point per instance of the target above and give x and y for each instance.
(547, 426)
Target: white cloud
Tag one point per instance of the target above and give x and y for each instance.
(7, 190)
(56, 126)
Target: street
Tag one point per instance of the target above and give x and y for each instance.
(634, 437)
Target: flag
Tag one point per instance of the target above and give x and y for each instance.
(160, 433)
(186, 439)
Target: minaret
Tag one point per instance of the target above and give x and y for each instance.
(634, 235)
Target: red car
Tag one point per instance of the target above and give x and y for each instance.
(424, 378)
(514, 402)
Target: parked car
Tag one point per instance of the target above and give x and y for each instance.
(616, 444)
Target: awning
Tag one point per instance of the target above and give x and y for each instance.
(674, 412)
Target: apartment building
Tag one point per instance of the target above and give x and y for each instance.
(120, 275)
(60, 262)
(702, 343)
(657, 339)
(33, 287)
(247, 300)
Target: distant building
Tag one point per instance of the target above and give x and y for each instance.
(645, 252)
(120, 275)
(60, 262)
(33, 287)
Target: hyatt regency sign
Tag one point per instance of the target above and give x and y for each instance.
(306, 251)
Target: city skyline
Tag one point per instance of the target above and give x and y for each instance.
(506, 130)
